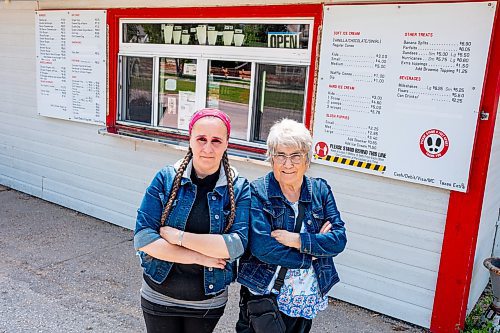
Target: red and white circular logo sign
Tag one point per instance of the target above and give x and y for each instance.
(321, 149)
(434, 143)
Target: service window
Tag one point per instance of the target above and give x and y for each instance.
(254, 70)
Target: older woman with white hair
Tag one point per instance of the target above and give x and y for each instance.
(295, 231)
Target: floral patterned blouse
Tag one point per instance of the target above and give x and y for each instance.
(300, 295)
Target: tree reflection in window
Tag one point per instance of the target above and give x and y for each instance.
(228, 89)
(280, 94)
(139, 73)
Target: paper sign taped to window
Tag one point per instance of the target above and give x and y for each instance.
(170, 84)
(189, 69)
(186, 108)
(171, 105)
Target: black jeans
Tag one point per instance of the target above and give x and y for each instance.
(293, 324)
(173, 324)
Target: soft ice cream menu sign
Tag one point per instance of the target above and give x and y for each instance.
(71, 64)
(399, 89)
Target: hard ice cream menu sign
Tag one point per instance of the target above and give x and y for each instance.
(71, 65)
(399, 89)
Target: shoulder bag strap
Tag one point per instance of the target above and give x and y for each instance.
(298, 225)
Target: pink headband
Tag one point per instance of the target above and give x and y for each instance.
(210, 113)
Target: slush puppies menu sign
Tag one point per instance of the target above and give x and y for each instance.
(71, 65)
(399, 89)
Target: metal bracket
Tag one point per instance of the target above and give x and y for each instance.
(484, 115)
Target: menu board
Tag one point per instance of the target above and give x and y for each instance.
(71, 65)
(399, 89)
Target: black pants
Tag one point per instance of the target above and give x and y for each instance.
(173, 324)
(293, 324)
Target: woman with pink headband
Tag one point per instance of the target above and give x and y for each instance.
(191, 227)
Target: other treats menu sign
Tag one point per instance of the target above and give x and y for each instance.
(71, 65)
(399, 89)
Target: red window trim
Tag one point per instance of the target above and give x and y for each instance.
(314, 11)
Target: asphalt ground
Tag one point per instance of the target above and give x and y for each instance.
(64, 271)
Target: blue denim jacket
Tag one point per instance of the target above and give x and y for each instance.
(149, 214)
(270, 210)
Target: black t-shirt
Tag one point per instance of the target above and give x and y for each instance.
(186, 282)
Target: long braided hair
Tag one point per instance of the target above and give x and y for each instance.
(177, 181)
(230, 187)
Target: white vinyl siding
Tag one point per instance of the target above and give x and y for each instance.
(395, 232)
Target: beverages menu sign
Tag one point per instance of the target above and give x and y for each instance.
(399, 89)
(71, 65)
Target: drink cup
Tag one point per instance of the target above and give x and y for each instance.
(185, 37)
(201, 33)
(177, 34)
(227, 37)
(167, 33)
(212, 35)
(239, 37)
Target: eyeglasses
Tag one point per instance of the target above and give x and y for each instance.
(294, 158)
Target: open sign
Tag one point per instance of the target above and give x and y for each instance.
(284, 40)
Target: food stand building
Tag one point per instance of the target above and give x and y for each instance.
(401, 98)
